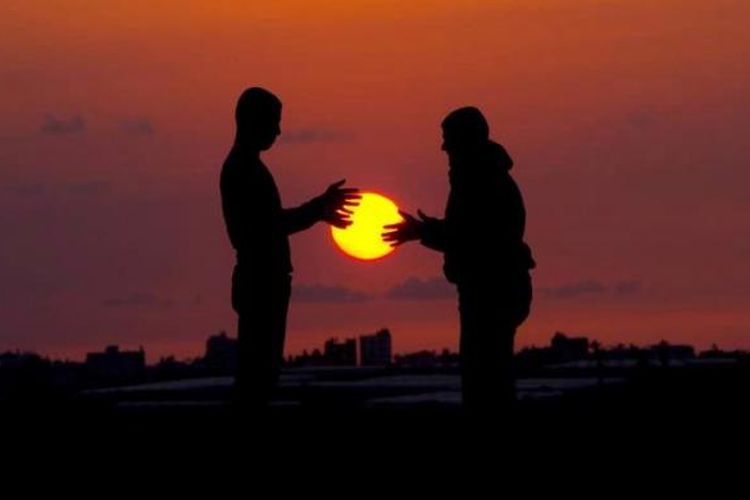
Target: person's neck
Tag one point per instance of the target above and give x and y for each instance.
(245, 148)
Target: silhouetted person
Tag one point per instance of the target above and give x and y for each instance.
(485, 255)
(259, 230)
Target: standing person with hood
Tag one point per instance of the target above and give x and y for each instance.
(485, 256)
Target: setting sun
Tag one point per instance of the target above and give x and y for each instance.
(362, 240)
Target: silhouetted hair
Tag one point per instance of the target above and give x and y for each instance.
(467, 123)
(255, 103)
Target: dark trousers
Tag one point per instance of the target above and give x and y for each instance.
(490, 312)
(261, 303)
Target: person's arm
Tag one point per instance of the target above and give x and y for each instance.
(428, 230)
(432, 232)
(299, 218)
(331, 207)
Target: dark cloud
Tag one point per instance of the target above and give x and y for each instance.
(625, 288)
(137, 127)
(149, 300)
(87, 188)
(572, 290)
(310, 135)
(61, 126)
(25, 188)
(326, 293)
(419, 289)
(138, 299)
(35, 189)
(591, 288)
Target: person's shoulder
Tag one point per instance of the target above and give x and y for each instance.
(232, 172)
(497, 154)
(228, 169)
(236, 164)
(232, 162)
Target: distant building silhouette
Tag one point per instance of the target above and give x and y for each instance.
(566, 348)
(449, 359)
(719, 354)
(419, 359)
(562, 349)
(427, 359)
(221, 354)
(666, 352)
(340, 353)
(15, 359)
(375, 350)
(114, 364)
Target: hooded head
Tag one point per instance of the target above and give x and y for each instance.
(466, 140)
(464, 130)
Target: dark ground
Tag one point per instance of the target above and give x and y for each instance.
(675, 406)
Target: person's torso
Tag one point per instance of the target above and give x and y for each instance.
(253, 215)
(485, 221)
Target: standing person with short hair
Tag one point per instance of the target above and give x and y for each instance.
(259, 229)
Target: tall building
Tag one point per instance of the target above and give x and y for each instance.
(340, 353)
(375, 350)
(116, 364)
(221, 353)
(666, 352)
(564, 348)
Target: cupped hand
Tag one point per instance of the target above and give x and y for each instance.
(335, 203)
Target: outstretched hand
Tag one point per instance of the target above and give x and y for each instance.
(408, 229)
(333, 203)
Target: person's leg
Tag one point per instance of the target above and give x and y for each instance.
(254, 346)
(279, 311)
(489, 319)
(508, 310)
(262, 308)
(503, 367)
(476, 386)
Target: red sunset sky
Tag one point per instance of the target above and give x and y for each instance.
(627, 120)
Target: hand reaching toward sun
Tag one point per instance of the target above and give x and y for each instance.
(333, 203)
(409, 229)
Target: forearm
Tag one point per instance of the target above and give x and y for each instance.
(299, 218)
(432, 234)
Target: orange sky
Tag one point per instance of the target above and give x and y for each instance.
(626, 120)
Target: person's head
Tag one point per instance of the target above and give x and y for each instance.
(464, 130)
(258, 117)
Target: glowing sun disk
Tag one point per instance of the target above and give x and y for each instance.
(362, 239)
